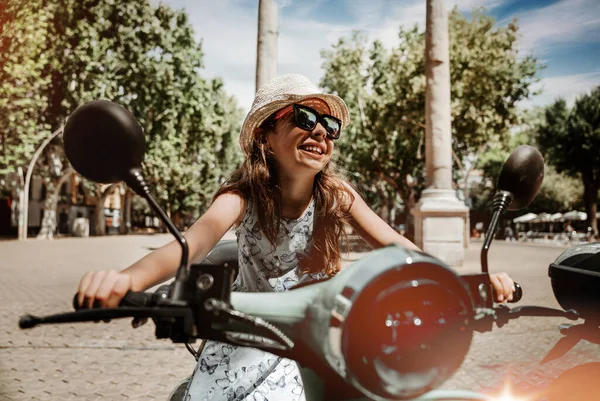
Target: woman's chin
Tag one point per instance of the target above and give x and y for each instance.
(313, 163)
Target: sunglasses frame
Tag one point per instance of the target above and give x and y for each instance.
(320, 118)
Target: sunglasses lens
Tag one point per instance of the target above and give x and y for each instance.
(305, 119)
(332, 126)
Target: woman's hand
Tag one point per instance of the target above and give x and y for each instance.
(503, 286)
(104, 288)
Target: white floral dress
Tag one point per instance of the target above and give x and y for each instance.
(225, 372)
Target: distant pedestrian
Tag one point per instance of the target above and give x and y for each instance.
(509, 234)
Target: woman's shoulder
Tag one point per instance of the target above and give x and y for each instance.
(348, 193)
(236, 200)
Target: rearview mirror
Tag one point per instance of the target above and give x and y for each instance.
(522, 176)
(104, 142)
(519, 182)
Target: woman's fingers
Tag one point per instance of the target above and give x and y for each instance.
(92, 289)
(121, 286)
(83, 285)
(497, 285)
(503, 285)
(106, 287)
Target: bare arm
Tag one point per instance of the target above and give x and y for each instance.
(204, 234)
(371, 227)
(109, 287)
(378, 234)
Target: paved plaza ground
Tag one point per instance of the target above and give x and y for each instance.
(112, 361)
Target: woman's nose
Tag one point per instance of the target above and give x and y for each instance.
(319, 131)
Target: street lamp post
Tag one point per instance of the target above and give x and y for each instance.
(24, 195)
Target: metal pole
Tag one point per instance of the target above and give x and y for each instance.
(266, 49)
(24, 207)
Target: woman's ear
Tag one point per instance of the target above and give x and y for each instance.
(262, 137)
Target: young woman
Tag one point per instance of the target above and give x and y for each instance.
(289, 208)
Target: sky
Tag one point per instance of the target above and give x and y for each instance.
(563, 34)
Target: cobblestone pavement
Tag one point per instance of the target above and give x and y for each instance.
(89, 361)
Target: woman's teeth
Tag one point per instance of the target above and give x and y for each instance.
(313, 149)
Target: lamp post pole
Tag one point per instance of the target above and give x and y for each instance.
(24, 196)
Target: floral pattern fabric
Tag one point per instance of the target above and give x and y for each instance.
(230, 373)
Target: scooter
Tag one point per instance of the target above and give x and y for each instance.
(394, 325)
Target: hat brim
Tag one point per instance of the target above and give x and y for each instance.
(255, 118)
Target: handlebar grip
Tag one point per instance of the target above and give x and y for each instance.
(134, 299)
(518, 294)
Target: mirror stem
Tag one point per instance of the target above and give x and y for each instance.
(137, 182)
(501, 201)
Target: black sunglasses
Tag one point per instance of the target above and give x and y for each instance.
(307, 118)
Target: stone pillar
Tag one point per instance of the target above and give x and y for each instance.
(266, 49)
(440, 217)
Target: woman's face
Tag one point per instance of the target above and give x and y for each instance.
(296, 150)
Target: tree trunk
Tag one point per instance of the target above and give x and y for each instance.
(408, 196)
(99, 220)
(384, 210)
(590, 198)
(409, 221)
(49, 218)
(125, 227)
(466, 192)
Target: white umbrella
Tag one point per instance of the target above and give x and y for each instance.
(575, 215)
(556, 217)
(525, 218)
(542, 217)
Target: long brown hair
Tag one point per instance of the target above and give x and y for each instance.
(257, 180)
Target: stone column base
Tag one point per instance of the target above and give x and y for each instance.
(440, 224)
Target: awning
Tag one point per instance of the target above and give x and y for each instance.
(575, 215)
(525, 218)
(542, 218)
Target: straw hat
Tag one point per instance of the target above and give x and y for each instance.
(281, 92)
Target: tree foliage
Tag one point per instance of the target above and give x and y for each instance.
(559, 191)
(385, 92)
(23, 99)
(147, 59)
(570, 140)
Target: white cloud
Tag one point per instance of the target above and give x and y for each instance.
(559, 23)
(568, 87)
(228, 29)
(228, 32)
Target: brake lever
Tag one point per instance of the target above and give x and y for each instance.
(88, 315)
(504, 313)
(501, 314)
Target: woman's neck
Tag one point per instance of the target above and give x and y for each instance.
(296, 194)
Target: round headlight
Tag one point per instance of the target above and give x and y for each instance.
(408, 331)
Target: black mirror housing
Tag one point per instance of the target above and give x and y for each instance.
(104, 142)
(522, 176)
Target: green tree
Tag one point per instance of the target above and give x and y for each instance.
(385, 91)
(23, 98)
(559, 192)
(147, 59)
(570, 140)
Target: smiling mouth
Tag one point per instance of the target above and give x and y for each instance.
(312, 149)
